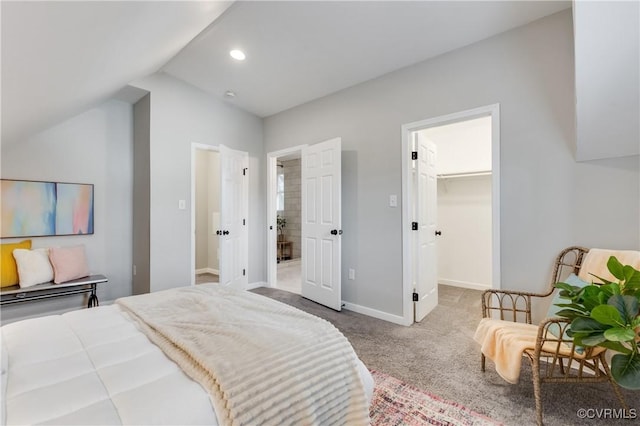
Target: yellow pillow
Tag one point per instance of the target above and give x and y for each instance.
(9, 273)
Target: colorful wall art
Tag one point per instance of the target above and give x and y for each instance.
(37, 209)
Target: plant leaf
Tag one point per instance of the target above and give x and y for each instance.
(615, 346)
(615, 267)
(607, 314)
(627, 306)
(619, 334)
(587, 326)
(592, 340)
(632, 284)
(628, 271)
(625, 369)
(571, 314)
(595, 295)
(565, 286)
(603, 281)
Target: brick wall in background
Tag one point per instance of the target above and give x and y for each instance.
(292, 205)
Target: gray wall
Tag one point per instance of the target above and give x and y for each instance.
(548, 201)
(180, 116)
(141, 187)
(93, 147)
(607, 51)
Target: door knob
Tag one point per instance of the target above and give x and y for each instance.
(225, 232)
(336, 232)
(438, 233)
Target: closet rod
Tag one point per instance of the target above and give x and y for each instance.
(467, 174)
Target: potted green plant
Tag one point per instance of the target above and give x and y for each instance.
(607, 315)
(281, 222)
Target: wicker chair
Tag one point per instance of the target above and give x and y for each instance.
(553, 359)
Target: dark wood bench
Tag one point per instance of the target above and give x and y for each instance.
(15, 294)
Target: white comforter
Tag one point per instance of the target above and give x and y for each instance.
(94, 366)
(262, 362)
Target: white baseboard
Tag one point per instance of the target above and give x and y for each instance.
(396, 319)
(207, 271)
(385, 316)
(464, 284)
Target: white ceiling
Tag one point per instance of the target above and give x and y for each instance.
(60, 58)
(300, 51)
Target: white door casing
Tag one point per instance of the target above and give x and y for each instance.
(409, 258)
(321, 223)
(272, 228)
(426, 284)
(233, 218)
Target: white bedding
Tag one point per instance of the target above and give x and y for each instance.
(94, 366)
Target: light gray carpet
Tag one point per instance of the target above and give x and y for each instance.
(440, 356)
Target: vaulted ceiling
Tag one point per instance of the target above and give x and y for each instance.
(60, 58)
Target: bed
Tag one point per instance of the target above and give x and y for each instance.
(194, 355)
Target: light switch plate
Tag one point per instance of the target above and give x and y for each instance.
(182, 204)
(393, 200)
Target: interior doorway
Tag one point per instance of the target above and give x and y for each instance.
(207, 216)
(289, 223)
(287, 207)
(450, 206)
(321, 220)
(219, 228)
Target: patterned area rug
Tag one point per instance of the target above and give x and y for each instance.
(397, 403)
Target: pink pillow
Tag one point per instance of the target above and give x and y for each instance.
(68, 263)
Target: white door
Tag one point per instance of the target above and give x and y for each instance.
(426, 283)
(321, 223)
(233, 217)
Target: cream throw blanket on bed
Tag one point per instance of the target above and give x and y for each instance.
(262, 362)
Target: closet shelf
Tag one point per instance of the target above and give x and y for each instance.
(465, 174)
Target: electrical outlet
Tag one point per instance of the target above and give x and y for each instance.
(352, 274)
(393, 200)
(182, 204)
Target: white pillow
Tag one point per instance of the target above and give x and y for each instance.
(34, 266)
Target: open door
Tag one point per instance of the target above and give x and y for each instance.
(426, 278)
(233, 217)
(321, 223)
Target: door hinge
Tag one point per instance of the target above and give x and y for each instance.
(415, 297)
(244, 272)
(244, 171)
(414, 155)
(414, 226)
(244, 221)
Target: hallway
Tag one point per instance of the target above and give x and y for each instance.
(289, 272)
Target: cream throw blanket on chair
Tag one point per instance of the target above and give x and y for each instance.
(504, 342)
(595, 262)
(262, 362)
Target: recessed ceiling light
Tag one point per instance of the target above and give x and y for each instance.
(237, 54)
(229, 94)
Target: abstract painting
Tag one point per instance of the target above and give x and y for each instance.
(37, 209)
(74, 209)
